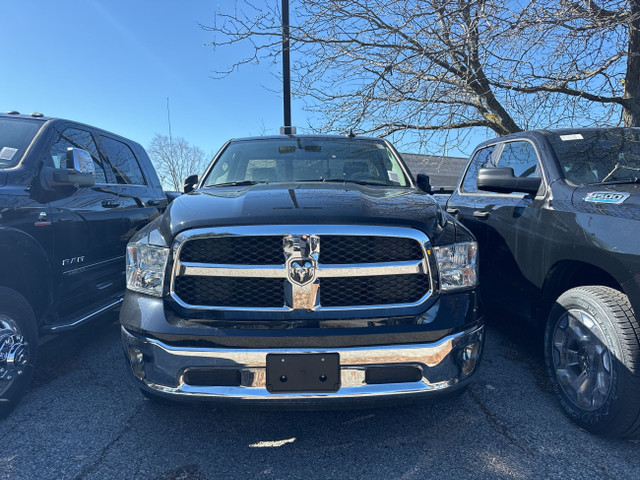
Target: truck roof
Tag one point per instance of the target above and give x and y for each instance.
(39, 117)
(546, 131)
(308, 136)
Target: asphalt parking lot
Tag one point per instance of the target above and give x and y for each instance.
(83, 419)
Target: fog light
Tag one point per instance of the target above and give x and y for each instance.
(469, 358)
(136, 359)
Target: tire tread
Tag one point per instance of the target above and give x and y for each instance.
(627, 331)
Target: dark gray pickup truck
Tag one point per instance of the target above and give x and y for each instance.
(302, 270)
(557, 218)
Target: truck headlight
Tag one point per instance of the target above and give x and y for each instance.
(145, 267)
(457, 264)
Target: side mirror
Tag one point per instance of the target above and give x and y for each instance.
(80, 160)
(80, 171)
(503, 180)
(424, 183)
(189, 183)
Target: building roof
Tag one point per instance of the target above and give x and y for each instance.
(442, 171)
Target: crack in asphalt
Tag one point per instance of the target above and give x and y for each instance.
(105, 450)
(499, 425)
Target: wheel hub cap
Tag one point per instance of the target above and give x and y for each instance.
(14, 354)
(581, 360)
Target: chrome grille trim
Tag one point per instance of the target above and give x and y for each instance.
(421, 266)
(279, 271)
(219, 270)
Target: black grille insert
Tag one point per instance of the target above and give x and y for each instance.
(394, 374)
(344, 249)
(258, 250)
(374, 290)
(214, 377)
(230, 291)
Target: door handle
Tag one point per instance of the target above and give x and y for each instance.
(110, 204)
(153, 203)
(481, 214)
(453, 211)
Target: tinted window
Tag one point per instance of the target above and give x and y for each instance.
(592, 156)
(308, 159)
(15, 136)
(521, 156)
(123, 161)
(75, 138)
(483, 158)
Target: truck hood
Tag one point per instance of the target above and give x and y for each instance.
(619, 200)
(305, 203)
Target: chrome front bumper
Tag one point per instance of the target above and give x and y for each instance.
(445, 365)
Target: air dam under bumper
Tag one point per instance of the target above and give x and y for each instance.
(366, 373)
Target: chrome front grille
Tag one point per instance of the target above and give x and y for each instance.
(309, 267)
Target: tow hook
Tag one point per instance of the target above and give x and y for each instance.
(14, 354)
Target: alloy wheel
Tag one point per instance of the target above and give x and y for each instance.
(581, 360)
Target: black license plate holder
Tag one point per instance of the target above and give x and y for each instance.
(303, 372)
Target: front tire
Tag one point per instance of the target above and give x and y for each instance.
(18, 348)
(592, 354)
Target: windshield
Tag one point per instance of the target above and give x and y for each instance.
(598, 156)
(307, 160)
(15, 136)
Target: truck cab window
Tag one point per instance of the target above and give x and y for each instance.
(75, 138)
(123, 161)
(483, 158)
(521, 156)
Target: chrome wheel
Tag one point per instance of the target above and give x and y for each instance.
(581, 360)
(14, 353)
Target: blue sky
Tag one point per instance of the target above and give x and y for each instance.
(114, 63)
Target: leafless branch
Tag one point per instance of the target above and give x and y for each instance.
(175, 160)
(392, 67)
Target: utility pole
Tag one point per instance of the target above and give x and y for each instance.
(286, 69)
(169, 121)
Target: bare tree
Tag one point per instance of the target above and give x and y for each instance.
(586, 54)
(388, 67)
(175, 160)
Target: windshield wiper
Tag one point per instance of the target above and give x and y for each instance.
(235, 184)
(343, 180)
(620, 181)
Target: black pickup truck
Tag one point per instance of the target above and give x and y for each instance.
(302, 270)
(557, 218)
(71, 196)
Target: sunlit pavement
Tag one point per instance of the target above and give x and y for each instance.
(83, 418)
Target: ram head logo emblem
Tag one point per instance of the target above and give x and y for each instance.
(302, 271)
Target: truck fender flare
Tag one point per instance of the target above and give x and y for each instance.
(614, 269)
(26, 268)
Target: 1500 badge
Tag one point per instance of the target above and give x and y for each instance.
(606, 197)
